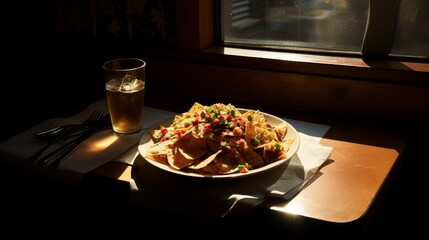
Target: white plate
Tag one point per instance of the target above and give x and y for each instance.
(146, 141)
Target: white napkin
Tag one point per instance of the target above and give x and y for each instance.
(302, 167)
(25, 144)
(18, 149)
(105, 146)
(155, 188)
(99, 149)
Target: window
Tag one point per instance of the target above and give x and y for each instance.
(377, 27)
(412, 32)
(352, 85)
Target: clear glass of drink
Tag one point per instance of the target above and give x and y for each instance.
(125, 80)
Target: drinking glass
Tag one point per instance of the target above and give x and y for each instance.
(125, 80)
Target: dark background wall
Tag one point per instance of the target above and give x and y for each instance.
(141, 21)
(53, 51)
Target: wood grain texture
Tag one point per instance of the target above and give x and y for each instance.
(194, 24)
(336, 96)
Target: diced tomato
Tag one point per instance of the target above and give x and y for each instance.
(195, 121)
(207, 128)
(244, 170)
(216, 122)
(179, 134)
(164, 130)
(237, 131)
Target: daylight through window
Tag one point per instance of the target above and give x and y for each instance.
(346, 26)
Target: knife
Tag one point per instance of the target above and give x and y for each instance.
(55, 157)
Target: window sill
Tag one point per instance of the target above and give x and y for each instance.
(393, 70)
(355, 67)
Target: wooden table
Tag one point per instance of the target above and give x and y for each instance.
(341, 198)
(345, 193)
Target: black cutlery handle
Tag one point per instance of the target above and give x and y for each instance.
(54, 158)
(49, 131)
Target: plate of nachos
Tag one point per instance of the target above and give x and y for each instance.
(219, 141)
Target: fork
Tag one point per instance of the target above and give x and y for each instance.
(61, 133)
(68, 129)
(55, 157)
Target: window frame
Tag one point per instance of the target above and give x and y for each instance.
(376, 87)
(198, 29)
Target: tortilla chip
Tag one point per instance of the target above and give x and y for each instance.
(212, 145)
(159, 148)
(228, 163)
(246, 152)
(270, 145)
(205, 162)
(281, 130)
(159, 158)
(177, 160)
(191, 147)
(190, 113)
(211, 169)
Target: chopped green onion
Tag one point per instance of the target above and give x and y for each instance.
(232, 112)
(256, 142)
